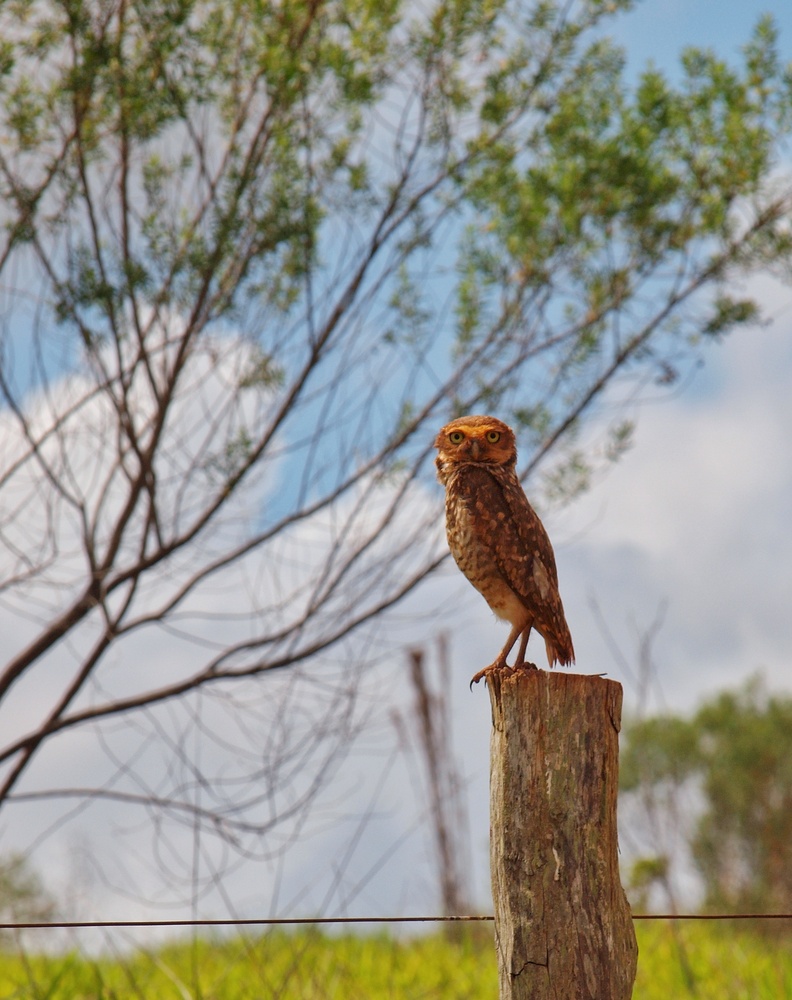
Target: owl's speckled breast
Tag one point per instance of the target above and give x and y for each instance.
(475, 556)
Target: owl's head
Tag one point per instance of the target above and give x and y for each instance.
(475, 439)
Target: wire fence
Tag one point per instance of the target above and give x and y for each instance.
(311, 921)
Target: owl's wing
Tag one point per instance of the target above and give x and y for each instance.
(512, 531)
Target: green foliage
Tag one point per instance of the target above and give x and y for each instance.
(571, 183)
(744, 843)
(727, 964)
(739, 746)
(410, 315)
(137, 77)
(22, 895)
(606, 185)
(665, 748)
(261, 371)
(210, 157)
(620, 439)
(569, 478)
(306, 965)
(644, 873)
(728, 312)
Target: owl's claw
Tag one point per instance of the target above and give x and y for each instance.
(497, 667)
(502, 669)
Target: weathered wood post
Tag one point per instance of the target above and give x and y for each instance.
(563, 927)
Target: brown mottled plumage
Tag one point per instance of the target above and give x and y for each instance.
(497, 539)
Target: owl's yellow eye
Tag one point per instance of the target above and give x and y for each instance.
(456, 437)
(493, 436)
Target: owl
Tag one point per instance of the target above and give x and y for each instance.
(497, 539)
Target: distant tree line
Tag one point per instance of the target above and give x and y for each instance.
(737, 748)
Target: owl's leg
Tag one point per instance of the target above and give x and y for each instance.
(520, 663)
(500, 661)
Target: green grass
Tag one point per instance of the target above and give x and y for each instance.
(703, 961)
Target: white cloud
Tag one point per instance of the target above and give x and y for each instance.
(698, 515)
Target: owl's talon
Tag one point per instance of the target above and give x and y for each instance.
(525, 665)
(497, 667)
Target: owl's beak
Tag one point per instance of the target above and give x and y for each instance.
(475, 450)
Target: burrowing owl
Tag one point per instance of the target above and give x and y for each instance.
(497, 539)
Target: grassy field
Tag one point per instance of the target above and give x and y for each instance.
(704, 961)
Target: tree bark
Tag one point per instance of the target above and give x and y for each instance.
(563, 926)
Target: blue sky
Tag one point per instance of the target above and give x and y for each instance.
(658, 30)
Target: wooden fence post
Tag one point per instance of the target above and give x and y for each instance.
(563, 927)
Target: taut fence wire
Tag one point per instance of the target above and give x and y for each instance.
(24, 925)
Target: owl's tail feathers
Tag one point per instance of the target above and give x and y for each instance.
(559, 647)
